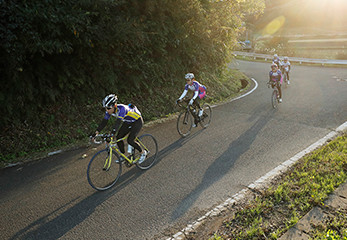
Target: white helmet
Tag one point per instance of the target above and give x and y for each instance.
(274, 65)
(275, 55)
(285, 58)
(189, 76)
(109, 101)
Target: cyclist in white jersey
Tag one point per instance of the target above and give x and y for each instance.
(286, 68)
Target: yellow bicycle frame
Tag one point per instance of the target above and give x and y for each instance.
(112, 145)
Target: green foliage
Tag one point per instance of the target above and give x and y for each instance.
(58, 56)
(279, 208)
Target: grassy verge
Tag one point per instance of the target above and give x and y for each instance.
(67, 126)
(306, 185)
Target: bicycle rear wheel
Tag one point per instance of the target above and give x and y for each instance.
(274, 98)
(184, 123)
(103, 172)
(206, 115)
(149, 143)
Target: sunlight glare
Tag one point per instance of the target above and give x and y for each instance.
(274, 26)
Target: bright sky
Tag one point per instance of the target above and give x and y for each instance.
(333, 11)
(312, 16)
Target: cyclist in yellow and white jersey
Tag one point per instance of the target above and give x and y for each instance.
(129, 121)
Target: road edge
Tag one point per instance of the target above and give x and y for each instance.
(260, 183)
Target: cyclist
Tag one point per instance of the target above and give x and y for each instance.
(199, 93)
(276, 79)
(277, 60)
(129, 121)
(286, 68)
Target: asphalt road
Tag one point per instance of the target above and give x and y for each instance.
(51, 198)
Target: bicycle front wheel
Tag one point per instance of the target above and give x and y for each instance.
(206, 115)
(149, 143)
(103, 170)
(184, 123)
(274, 99)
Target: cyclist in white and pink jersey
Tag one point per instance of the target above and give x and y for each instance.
(286, 68)
(199, 93)
(277, 61)
(276, 79)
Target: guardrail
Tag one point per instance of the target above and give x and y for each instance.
(292, 59)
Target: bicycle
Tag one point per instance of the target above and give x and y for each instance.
(185, 118)
(275, 97)
(105, 167)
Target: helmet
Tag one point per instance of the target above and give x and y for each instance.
(110, 100)
(274, 65)
(285, 58)
(275, 55)
(189, 76)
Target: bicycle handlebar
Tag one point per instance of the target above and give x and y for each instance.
(186, 100)
(104, 138)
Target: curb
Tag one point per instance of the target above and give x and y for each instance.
(260, 183)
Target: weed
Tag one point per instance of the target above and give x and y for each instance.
(308, 183)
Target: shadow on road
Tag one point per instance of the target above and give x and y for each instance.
(224, 163)
(48, 228)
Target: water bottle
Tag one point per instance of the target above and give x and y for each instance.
(130, 149)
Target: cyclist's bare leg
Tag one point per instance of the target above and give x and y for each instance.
(279, 89)
(197, 107)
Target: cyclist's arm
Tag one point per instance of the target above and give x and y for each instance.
(117, 125)
(270, 75)
(196, 93)
(183, 94)
(102, 125)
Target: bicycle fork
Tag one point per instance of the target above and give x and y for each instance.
(107, 164)
(186, 117)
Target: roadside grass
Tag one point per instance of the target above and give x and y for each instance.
(275, 210)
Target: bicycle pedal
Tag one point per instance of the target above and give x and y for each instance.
(127, 164)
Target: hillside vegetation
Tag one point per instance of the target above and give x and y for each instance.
(60, 58)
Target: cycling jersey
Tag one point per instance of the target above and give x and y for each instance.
(125, 113)
(276, 76)
(276, 80)
(197, 88)
(277, 61)
(286, 66)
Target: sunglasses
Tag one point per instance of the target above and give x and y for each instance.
(108, 108)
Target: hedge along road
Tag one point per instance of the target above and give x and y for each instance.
(51, 199)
